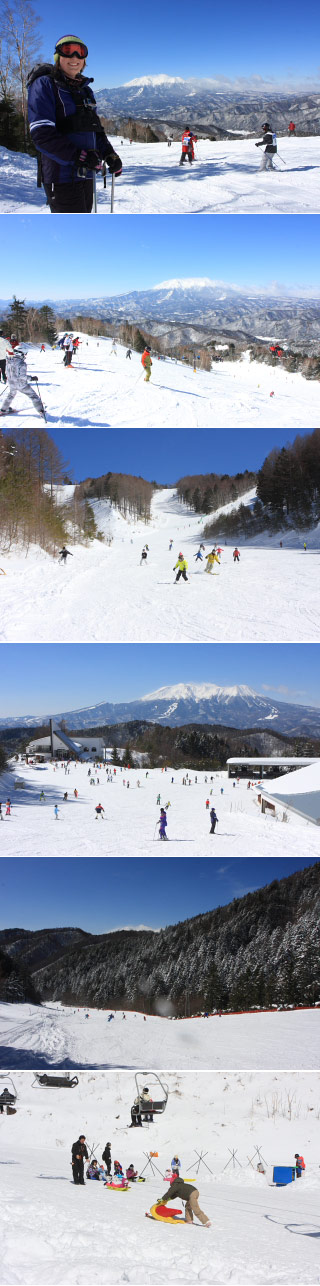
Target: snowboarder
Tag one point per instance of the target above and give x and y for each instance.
(128, 354)
(106, 1156)
(236, 555)
(147, 363)
(188, 1193)
(79, 1154)
(64, 554)
(66, 129)
(182, 566)
(163, 824)
(211, 560)
(187, 152)
(213, 819)
(18, 382)
(144, 556)
(98, 811)
(269, 143)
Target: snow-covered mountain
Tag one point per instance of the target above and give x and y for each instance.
(207, 106)
(218, 307)
(237, 706)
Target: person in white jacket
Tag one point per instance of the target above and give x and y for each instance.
(3, 358)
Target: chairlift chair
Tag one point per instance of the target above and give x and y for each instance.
(157, 1105)
(8, 1096)
(55, 1082)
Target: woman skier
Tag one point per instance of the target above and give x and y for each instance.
(66, 129)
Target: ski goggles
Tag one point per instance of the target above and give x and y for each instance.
(70, 50)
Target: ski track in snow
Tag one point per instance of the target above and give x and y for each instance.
(53, 1234)
(128, 828)
(225, 179)
(104, 595)
(101, 390)
(52, 1035)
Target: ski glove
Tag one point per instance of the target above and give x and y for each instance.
(90, 160)
(114, 164)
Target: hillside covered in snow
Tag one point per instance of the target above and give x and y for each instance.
(224, 178)
(259, 1233)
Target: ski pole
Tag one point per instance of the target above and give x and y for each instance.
(34, 380)
(154, 833)
(281, 158)
(94, 192)
(112, 193)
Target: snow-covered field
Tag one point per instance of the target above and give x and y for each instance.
(129, 825)
(101, 389)
(225, 179)
(104, 595)
(260, 1234)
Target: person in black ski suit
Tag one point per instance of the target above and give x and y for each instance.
(213, 819)
(79, 1155)
(64, 553)
(106, 1156)
(66, 130)
(270, 148)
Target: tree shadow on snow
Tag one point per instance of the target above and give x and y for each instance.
(27, 1060)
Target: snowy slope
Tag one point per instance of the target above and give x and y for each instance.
(103, 595)
(52, 1234)
(225, 179)
(53, 1035)
(100, 389)
(129, 826)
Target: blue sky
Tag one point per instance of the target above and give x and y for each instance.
(157, 455)
(40, 260)
(51, 678)
(98, 895)
(212, 41)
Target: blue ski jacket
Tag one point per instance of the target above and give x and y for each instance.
(63, 120)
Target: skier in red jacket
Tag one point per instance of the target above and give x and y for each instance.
(188, 140)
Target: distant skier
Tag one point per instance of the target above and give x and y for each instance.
(170, 545)
(198, 556)
(213, 819)
(18, 382)
(114, 349)
(42, 796)
(187, 152)
(146, 362)
(305, 546)
(98, 811)
(3, 357)
(182, 566)
(291, 129)
(211, 560)
(128, 354)
(8, 808)
(56, 812)
(64, 554)
(270, 147)
(43, 348)
(68, 351)
(163, 824)
(236, 555)
(144, 557)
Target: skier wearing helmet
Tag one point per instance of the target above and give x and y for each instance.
(181, 568)
(270, 147)
(187, 152)
(66, 129)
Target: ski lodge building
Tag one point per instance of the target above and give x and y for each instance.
(58, 745)
(299, 789)
(272, 766)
